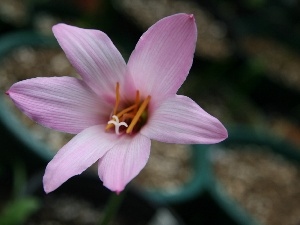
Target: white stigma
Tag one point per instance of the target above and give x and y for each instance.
(117, 124)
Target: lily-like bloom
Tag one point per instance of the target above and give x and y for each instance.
(116, 108)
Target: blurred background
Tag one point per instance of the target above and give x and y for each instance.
(246, 72)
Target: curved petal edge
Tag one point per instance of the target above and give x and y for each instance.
(76, 156)
(180, 120)
(124, 161)
(65, 104)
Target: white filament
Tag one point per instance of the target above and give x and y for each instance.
(117, 124)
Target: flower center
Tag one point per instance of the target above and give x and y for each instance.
(133, 117)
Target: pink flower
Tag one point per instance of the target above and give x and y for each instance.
(116, 108)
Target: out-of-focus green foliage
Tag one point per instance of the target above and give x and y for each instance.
(17, 210)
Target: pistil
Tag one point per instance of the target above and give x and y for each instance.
(117, 124)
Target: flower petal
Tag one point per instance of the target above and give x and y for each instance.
(94, 57)
(124, 161)
(62, 103)
(77, 155)
(180, 120)
(164, 55)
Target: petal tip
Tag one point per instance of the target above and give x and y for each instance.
(48, 184)
(191, 16)
(118, 192)
(187, 16)
(54, 27)
(47, 189)
(58, 26)
(223, 134)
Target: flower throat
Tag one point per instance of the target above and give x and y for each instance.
(133, 117)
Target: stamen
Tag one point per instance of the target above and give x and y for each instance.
(127, 116)
(126, 110)
(133, 114)
(138, 114)
(117, 124)
(134, 107)
(137, 100)
(117, 99)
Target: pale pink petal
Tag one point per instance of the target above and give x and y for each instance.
(124, 161)
(62, 103)
(163, 56)
(180, 120)
(77, 155)
(94, 57)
